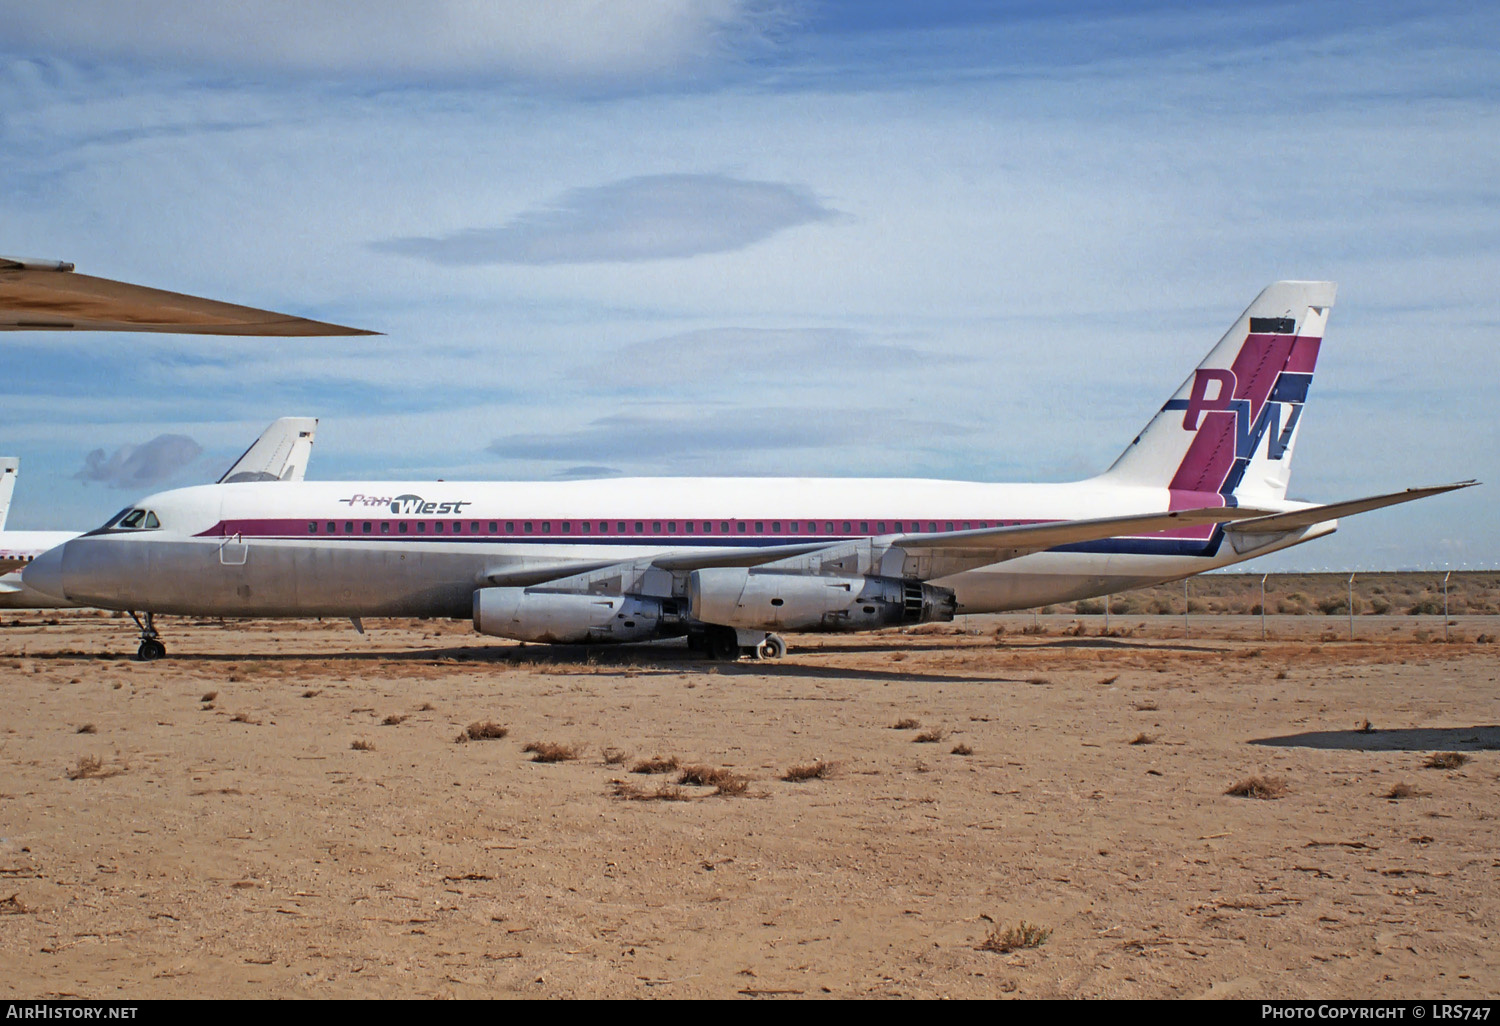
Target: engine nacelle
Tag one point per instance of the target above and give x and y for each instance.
(565, 618)
(767, 600)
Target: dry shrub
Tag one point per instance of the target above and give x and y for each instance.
(1015, 938)
(484, 730)
(13, 906)
(393, 719)
(1281, 674)
(92, 767)
(1260, 787)
(310, 693)
(1146, 706)
(962, 749)
(906, 723)
(1446, 760)
(1403, 791)
(819, 770)
(1109, 680)
(656, 764)
(665, 792)
(1366, 728)
(88, 728)
(1039, 681)
(551, 751)
(928, 737)
(615, 756)
(244, 718)
(209, 696)
(723, 781)
(426, 707)
(361, 745)
(1143, 739)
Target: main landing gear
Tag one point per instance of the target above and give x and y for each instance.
(151, 646)
(727, 644)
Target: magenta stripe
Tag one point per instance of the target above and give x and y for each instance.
(1261, 358)
(1304, 355)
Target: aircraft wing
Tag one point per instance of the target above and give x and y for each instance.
(914, 556)
(45, 295)
(10, 466)
(279, 454)
(1278, 522)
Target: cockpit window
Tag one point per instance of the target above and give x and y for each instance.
(137, 520)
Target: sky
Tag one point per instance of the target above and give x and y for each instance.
(980, 241)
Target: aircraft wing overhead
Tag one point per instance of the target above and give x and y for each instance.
(1300, 518)
(279, 454)
(45, 295)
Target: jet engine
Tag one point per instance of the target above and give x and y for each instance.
(768, 600)
(569, 618)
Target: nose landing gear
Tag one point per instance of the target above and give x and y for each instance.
(151, 647)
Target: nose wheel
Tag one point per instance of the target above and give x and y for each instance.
(151, 646)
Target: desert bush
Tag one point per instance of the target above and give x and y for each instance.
(1260, 787)
(551, 751)
(818, 770)
(656, 764)
(1446, 760)
(484, 730)
(1013, 938)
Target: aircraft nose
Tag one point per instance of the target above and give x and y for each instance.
(45, 574)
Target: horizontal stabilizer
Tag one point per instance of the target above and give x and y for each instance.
(1297, 519)
(45, 295)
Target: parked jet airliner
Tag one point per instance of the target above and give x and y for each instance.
(729, 561)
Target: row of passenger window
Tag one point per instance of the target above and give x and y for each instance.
(636, 527)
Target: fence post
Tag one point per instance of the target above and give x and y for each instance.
(1445, 606)
(1351, 607)
(1185, 630)
(1263, 606)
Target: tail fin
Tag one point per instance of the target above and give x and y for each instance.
(1229, 430)
(279, 454)
(9, 467)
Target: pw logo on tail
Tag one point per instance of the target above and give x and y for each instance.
(1247, 433)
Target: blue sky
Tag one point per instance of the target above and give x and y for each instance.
(962, 240)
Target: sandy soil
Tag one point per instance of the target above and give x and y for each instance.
(230, 841)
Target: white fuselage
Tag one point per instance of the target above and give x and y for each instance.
(423, 548)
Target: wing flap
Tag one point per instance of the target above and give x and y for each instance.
(1279, 522)
(38, 295)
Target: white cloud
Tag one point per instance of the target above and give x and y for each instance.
(138, 466)
(653, 217)
(557, 40)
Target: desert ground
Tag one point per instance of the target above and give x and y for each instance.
(287, 810)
